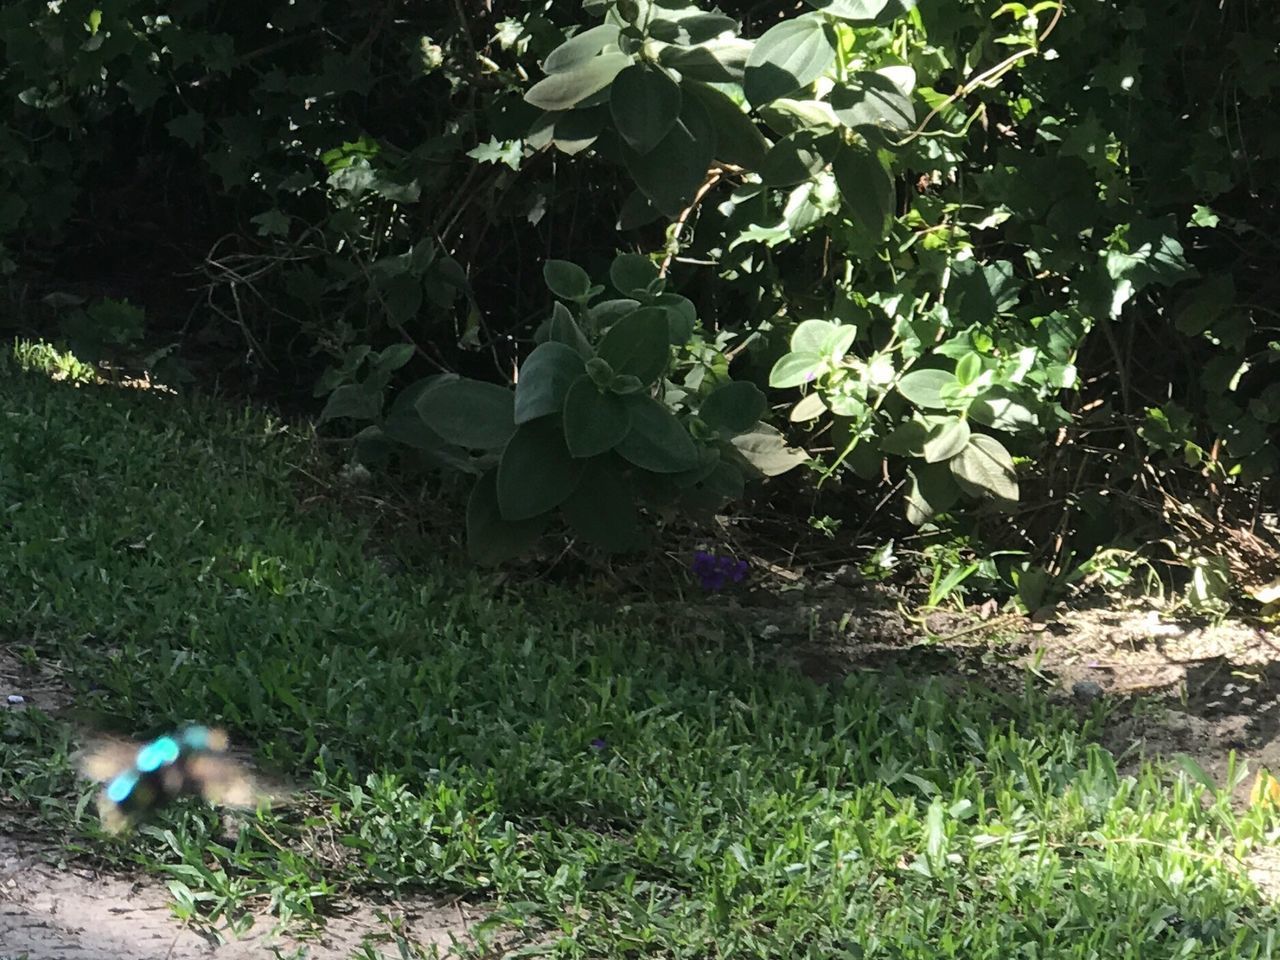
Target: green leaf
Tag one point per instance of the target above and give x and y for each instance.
(565, 90)
(968, 368)
(738, 140)
(545, 378)
(866, 11)
(671, 173)
(564, 329)
(733, 408)
(796, 158)
(933, 490)
(603, 510)
(645, 102)
(657, 440)
(536, 472)
(823, 338)
(765, 450)
(594, 421)
(682, 315)
(1001, 409)
(877, 100)
(470, 413)
(631, 274)
(352, 401)
(566, 280)
(490, 538)
(723, 60)
(576, 130)
(866, 187)
(1149, 253)
(580, 48)
(946, 440)
(402, 297)
(790, 55)
(637, 345)
(924, 387)
(984, 467)
(794, 369)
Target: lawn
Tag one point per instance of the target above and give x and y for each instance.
(607, 788)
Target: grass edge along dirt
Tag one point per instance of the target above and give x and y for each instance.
(606, 790)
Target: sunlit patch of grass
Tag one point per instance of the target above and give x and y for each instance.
(612, 791)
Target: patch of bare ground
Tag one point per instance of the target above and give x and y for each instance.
(50, 910)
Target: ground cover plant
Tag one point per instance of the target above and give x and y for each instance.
(949, 244)
(611, 790)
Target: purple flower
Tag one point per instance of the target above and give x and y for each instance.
(598, 743)
(714, 572)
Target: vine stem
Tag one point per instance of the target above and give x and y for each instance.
(673, 245)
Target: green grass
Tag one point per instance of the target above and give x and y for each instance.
(159, 552)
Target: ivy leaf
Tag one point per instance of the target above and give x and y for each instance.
(1150, 254)
(565, 90)
(790, 55)
(645, 102)
(984, 467)
(508, 152)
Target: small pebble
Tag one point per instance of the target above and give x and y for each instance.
(15, 699)
(1086, 690)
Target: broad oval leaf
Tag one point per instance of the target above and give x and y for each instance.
(946, 440)
(796, 158)
(657, 440)
(865, 11)
(794, 369)
(536, 472)
(594, 421)
(577, 84)
(1001, 409)
(638, 345)
(492, 539)
(545, 378)
(738, 140)
(924, 388)
(875, 101)
(580, 48)
(469, 413)
(810, 407)
(352, 401)
(631, 273)
(765, 450)
(645, 102)
(723, 60)
(933, 490)
(671, 173)
(985, 468)
(790, 55)
(733, 408)
(866, 188)
(566, 280)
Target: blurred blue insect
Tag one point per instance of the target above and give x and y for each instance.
(139, 778)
